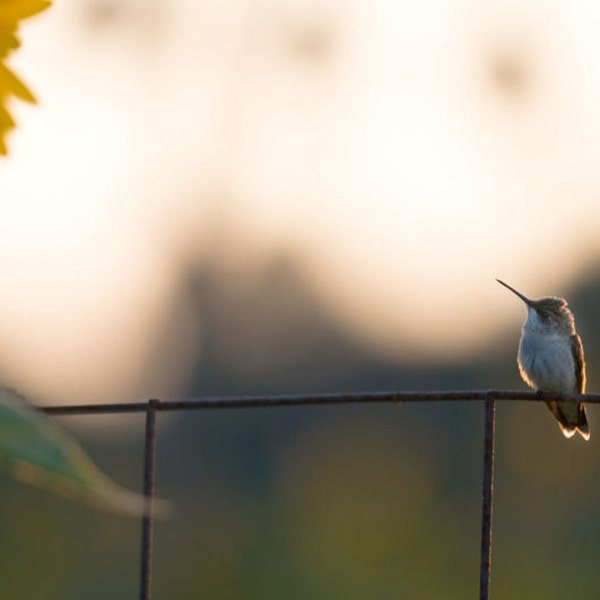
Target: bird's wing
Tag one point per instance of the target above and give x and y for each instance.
(579, 359)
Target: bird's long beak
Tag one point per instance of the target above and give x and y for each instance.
(524, 298)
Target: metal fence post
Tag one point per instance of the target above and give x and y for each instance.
(148, 519)
(487, 499)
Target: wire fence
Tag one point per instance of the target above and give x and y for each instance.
(154, 406)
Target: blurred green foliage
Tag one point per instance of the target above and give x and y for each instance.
(35, 450)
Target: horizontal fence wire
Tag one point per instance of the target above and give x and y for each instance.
(151, 407)
(229, 402)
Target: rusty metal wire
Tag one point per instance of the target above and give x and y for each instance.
(225, 402)
(149, 484)
(152, 407)
(487, 499)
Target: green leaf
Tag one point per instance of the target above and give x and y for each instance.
(35, 450)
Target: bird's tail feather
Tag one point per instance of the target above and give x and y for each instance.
(569, 421)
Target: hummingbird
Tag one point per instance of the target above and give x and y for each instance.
(551, 359)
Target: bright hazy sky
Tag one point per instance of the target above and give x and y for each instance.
(409, 152)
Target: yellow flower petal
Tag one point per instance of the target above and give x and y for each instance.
(11, 84)
(6, 121)
(6, 124)
(8, 42)
(12, 11)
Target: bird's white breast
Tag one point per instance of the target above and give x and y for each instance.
(546, 360)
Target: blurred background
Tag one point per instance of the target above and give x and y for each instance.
(268, 196)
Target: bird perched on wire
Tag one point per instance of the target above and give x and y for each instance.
(551, 359)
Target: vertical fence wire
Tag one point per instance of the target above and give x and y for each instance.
(148, 519)
(487, 499)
